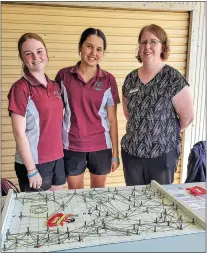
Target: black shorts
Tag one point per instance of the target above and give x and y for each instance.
(98, 162)
(140, 171)
(52, 173)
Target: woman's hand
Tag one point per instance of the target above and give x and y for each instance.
(114, 164)
(35, 181)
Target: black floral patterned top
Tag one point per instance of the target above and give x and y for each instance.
(153, 125)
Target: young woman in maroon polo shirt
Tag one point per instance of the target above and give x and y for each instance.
(90, 94)
(36, 111)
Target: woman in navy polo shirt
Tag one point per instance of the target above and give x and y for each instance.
(36, 111)
(90, 136)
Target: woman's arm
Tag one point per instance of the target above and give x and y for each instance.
(124, 100)
(111, 110)
(19, 126)
(183, 105)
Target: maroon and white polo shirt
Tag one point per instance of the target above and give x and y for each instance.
(85, 125)
(43, 109)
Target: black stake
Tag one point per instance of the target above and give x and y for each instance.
(27, 230)
(37, 241)
(68, 233)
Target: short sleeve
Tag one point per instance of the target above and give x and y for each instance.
(126, 85)
(114, 90)
(18, 100)
(179, 82)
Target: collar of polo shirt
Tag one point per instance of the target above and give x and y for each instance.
(33, 81)
(100, 72)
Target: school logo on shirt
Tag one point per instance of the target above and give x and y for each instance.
(57, 93)
(98, 86)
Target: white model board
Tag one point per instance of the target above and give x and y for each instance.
(102, 216)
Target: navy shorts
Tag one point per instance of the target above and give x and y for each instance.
(52, 173)
(140, 171)
(98, 162)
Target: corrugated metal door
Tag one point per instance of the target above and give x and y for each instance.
(61, 27)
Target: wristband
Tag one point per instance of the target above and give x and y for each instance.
(34, 174)
(115, 159)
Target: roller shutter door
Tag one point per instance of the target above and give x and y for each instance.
(61, 27)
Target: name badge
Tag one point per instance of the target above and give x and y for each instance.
(133, 90)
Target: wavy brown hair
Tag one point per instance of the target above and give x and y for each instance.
(161, 35)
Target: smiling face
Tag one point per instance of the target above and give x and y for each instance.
(34, 55)
(92, 50)
(150, 48)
